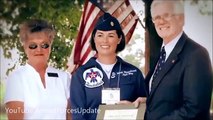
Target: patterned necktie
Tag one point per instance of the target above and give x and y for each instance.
(160, 64)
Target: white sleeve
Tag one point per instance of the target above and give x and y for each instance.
(68, 81)
(14, 88)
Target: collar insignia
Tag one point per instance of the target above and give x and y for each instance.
(112, 23)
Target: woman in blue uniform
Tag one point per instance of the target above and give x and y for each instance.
(105, 79)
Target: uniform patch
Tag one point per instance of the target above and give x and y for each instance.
(52, 74)
(127, 73)
(113, 75)
(93, 77)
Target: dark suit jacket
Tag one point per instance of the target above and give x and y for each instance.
(183, 88)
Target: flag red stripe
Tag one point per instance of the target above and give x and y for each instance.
(91, 27)
(87, 36)
(91, 9)
(78, 46)
(86, 54)
(80, 42)
(131, 31)
(85, 39)
(116, 5)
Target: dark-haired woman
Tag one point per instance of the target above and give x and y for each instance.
(105, 79)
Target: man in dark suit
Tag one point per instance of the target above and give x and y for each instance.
(180, 86)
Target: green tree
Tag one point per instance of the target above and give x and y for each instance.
(64, 14)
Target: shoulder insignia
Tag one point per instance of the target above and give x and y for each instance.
(93, 77)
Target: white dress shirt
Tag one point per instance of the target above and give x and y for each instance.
(168, 48)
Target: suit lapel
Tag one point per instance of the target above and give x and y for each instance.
(168, 65)
(171, 61)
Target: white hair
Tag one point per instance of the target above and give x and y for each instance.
(178, 5)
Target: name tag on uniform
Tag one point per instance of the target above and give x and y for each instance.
(110, 95)
(52, 74)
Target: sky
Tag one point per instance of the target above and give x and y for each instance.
(197, 27)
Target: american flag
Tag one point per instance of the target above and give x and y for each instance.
(93, 9)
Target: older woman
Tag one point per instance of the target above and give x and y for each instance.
(36, 90)
(105, 79)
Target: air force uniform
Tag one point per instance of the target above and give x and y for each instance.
(89, 80)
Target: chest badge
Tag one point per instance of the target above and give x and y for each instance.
(93, 77)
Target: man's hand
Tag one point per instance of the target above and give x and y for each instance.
(136, 102)
(139, 100)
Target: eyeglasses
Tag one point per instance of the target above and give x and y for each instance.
(34, 46)
(166, 17)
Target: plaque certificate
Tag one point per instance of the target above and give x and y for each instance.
(121, 112)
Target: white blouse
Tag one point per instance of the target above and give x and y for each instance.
(25, 85)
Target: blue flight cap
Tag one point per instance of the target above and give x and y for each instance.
(107, 22)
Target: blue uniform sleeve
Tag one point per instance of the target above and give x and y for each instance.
(77, 96)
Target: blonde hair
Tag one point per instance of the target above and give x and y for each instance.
(34, 26)
(178, 5)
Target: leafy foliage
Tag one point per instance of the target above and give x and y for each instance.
(64, 14)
